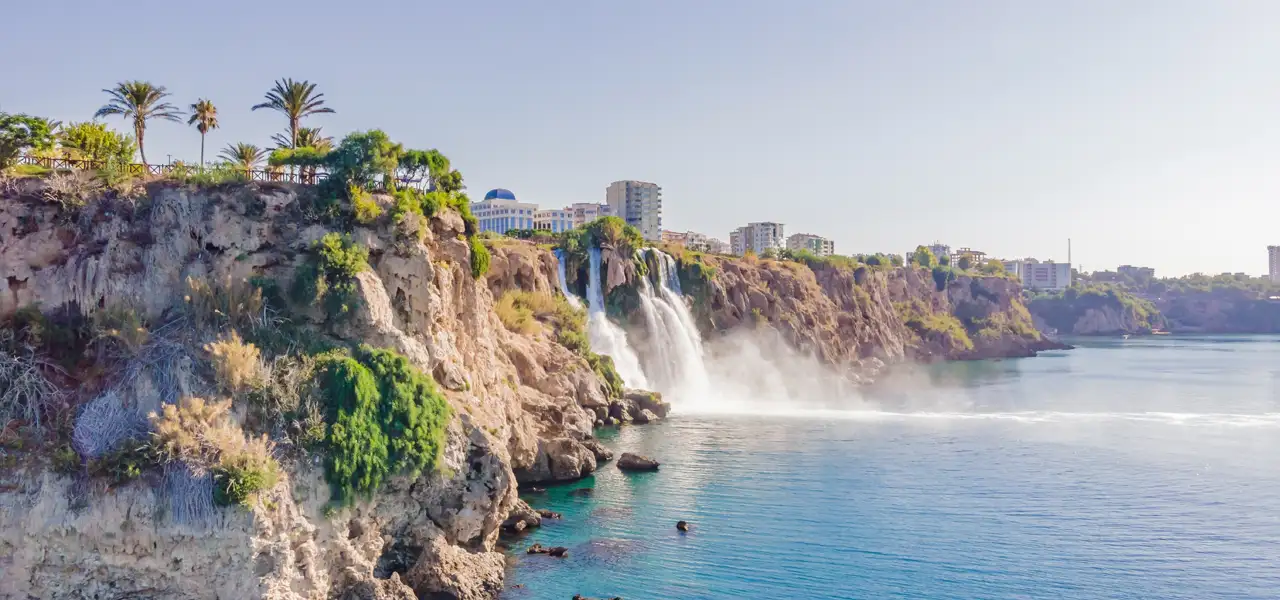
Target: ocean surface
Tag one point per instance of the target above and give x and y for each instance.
(1141, 468)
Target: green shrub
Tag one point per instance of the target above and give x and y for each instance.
(385, 417)
(479, 258)
(123, 464)
(240, 478)
(603, 366)
(65, 460)
(328, 277)
(366, 208)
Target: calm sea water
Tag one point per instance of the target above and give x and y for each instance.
(1145, 468)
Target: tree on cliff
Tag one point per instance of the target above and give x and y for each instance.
(141, 101)
(924, 257)
(22, 132)
(243, 156)
(94, 142)
(294, 99)
(204, 115)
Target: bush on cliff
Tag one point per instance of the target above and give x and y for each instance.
(479, 257)
(386, 417)
(328, 277)
(937, 328)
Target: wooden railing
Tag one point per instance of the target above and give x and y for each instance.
(69, 164)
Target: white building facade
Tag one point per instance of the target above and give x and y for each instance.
(500, 212)
(758, 238)
(1036, 275)
(586, 212)
(812, 243)
(639, 203)
(1273, 263)
(553, 220)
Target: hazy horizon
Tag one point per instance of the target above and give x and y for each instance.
(1143, 131)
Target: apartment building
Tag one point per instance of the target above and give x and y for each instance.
(812, 243)
(758, 238)
(1036, 275)
(639, 203)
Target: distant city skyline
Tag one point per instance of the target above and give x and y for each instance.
(1144, 130)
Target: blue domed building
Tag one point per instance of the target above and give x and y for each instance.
(500, 212)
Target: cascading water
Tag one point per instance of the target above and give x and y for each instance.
(564, 282)
(675, 362)
(605, 337)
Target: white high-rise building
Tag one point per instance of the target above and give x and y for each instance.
(758, 238)
(1036, 275)
(639, 203)
(816, 244)
(1273, 263)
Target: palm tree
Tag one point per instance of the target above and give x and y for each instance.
(140, 101)
(204, 115)
(294, 99)
(307, 137)
(244, 156)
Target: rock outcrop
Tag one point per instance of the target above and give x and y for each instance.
(858, 319)
(524, 406)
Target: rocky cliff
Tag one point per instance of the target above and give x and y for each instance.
(1096, 312)
(522, 404)
(857, 318)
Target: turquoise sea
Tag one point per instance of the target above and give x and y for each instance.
(1141, 468)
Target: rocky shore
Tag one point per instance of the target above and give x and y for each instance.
(524, 395)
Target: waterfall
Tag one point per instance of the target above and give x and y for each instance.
(605, 337)
(564, 282)
(675, 359)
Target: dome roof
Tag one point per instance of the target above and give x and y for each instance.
(499, 194)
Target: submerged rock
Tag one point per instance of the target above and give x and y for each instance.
(536, 549)
(636, 462)
(602, 454)
(682, 525)
(558, 552)
(582, 492)
(546, 514)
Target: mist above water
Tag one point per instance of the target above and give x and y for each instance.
(756, 372)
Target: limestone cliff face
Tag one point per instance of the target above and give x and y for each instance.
(860, 319)
(522, 405)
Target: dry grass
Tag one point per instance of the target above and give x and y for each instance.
(237, 365)
(233, 302)
(69, 190)
(515, 315)
(195, 431)
(25, 393)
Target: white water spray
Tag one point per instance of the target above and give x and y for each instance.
(605, 337)
(675, 363)
(564, 282)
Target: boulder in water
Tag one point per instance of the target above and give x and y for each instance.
(536, 549)
(636, 462)
(682, 526)
(646, 400)
(546, 514)
(521, 517)
(602, 454)
(558, 551)
(644, 417)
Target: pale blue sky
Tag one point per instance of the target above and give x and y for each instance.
(1147, 131)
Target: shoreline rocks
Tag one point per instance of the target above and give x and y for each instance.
(635, 462)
